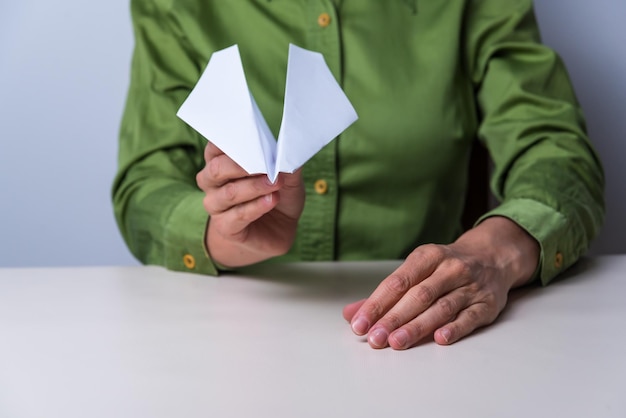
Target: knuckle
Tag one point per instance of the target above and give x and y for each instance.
(448, 307)
(207, 152)
(474, 315)
(229, 192)
(214, 168)
(481, 314)
(374, 308)
(398, 283)
(200, 179)
(425, 295)
(490, 313)
(246, 213)
(458, 267)
(490, 301)
(433, 251)
(430, 254)
(240, 213)
(474, 289)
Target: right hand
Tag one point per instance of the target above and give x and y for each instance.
(251, 218)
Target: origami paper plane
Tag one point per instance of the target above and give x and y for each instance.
(221, 108)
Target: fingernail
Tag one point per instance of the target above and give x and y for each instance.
(268, 198)
(400, 337)
(446, 334)
(378, 338)
(360, 326)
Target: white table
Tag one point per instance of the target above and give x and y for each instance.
(145, 342)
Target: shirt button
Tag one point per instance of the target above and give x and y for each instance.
(323, 20)
(189, 261)
(321, 187)
(558, 260)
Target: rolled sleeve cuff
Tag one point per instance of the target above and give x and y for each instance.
(546, 225)
(185, 237)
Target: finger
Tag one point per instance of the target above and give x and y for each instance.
(467, 321)
(444, 310)
(234, 193)
(292, 194)
(211, 151)
(432, 294)
(237, 219)
(218, 171)
(291, 180)
(418, 266)
(350, 309)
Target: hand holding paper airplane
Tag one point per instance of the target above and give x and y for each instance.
(222, 109)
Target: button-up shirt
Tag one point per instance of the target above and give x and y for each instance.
(427, 79)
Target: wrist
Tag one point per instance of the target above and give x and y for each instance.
(506, 246)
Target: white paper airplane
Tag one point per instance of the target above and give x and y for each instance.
(221, 108)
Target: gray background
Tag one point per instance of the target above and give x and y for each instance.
(63, 78)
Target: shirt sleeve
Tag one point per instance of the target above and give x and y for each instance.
(546, 174)
(157, 204)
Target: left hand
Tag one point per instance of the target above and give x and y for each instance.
(447, 291)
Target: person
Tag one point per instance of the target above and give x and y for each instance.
(428, 80)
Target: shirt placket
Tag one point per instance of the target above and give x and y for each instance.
(318, 224)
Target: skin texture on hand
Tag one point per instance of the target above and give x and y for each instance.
(447, 291)
(251, 219)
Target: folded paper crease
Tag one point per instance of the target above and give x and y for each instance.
(222, 109)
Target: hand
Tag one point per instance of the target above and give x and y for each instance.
(447, 291)
(251, 218)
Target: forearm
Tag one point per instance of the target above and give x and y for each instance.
(546, 173)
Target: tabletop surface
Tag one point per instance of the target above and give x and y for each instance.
(271, 341)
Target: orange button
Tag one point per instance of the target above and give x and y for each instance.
(558, 260)
(321, 187)
(323, 20)
(189, 261)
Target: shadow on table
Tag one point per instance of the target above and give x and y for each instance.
(361, 278)
(353, 281)
(517, 297)
(323, 280)
(572, 276)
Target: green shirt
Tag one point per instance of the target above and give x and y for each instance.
(427, 79)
